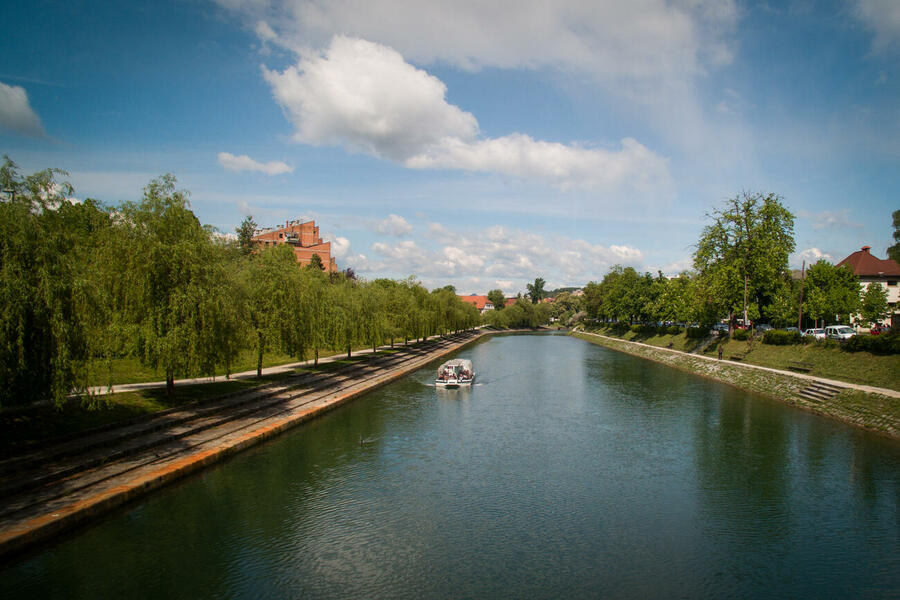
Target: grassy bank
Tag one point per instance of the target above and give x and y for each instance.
(822, 359)
(872, 411)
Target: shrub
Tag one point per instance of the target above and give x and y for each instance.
(697, 333)
(741, 335)
(673, 330)
(876, 344)
(780, 337)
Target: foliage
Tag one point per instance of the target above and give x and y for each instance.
(245, 233)
(43, 347)
(888, 343)
(497, 298)
(831, 294)
(894, 250)
(873, 307)
(740, 335)
(779, 337)
(315, 263)
(536, 290)
(744, 251)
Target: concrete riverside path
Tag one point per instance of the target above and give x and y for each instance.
(812, 378)
(68, 483)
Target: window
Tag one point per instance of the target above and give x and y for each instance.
(892, 283)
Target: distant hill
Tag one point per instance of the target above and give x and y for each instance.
(557, 291)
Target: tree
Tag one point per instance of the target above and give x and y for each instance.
(745, 249)
(245, 234)
(169, 273)
(315, 263)
(874, 305)
(43, 346)
(536, 290)
(831, 292)
(497, 298)
(894, 251)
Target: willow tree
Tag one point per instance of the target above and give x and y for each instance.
(745, 249)
(271, 281)
(42, 342)
(170, 272)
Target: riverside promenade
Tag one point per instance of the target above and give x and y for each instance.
(67, 484)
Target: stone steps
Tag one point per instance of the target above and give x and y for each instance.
(819, 391)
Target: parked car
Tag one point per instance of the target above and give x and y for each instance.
(764, 327)
(817, 333)
(791, 329)
(721, 327)
(839, 332)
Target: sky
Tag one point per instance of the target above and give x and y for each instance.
(470, 143)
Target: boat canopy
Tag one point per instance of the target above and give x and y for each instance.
(460, 364)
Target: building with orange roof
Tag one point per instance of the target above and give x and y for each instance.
(304, 239)
(871, 270)
(480, 302)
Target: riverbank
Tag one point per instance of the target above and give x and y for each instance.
(79, 480)
(874, 409)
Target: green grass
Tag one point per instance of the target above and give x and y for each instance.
(853, 367)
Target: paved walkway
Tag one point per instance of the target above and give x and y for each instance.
(865, 388)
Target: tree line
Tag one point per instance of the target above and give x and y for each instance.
(740, 273)
(83, 284)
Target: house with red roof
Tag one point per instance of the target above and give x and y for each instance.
(480, 302)
(871, 270)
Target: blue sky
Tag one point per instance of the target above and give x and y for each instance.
(470, 143)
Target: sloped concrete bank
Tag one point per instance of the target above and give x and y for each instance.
(875, 409)
(42, 521)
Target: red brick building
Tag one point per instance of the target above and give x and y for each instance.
(304, 240)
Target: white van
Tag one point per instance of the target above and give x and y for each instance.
(839, 332)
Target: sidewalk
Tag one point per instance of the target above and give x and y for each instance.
(864, 388)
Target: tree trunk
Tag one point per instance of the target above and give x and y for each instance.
(316, 363)
(170, 384)
(348, 350)
(259, 356)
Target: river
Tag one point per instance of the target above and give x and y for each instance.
(569, 470)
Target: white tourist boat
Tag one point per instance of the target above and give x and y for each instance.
(455, 373)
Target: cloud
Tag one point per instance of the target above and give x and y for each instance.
(810, 255)
(499, 256)
(245, 163)
(830, 219)
(366, 97)
(394, 225)
(611, 40)
(16, 114)
(882, 17)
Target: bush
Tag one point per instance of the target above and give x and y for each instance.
(673, 330)
(780, 337)
(741, 335)
(888, 343)
(697, 333)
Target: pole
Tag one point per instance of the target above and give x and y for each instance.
(746, 277)
(802, 276)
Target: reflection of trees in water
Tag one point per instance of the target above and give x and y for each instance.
(742, 450)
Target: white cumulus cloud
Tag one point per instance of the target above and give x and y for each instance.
(16, 114)
(245, 163)
(394, 225)
(366, 97)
